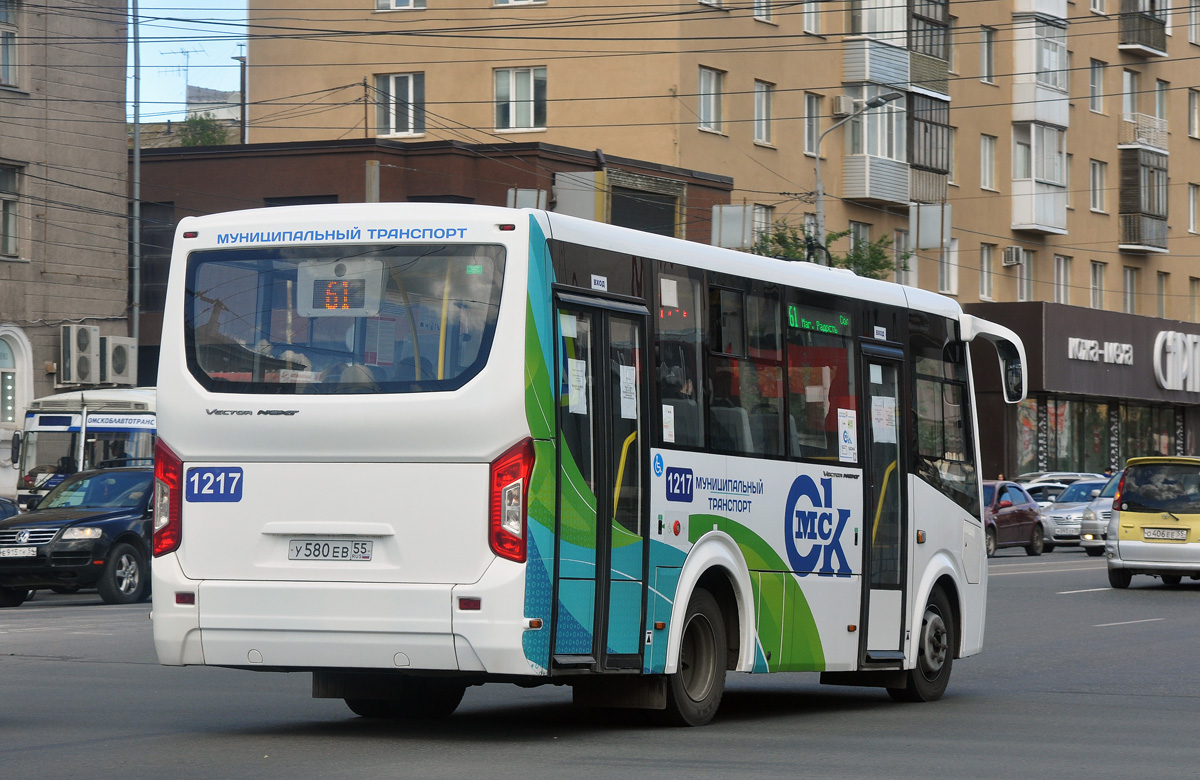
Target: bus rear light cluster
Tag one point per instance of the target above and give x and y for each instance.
(509, 500)
(168, 499)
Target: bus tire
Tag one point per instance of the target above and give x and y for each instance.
(423, 698)
(935, 653)
(13, 597)
(1119, 578)
(124, 577)
(694, 691)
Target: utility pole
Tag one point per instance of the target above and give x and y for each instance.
(135, 260)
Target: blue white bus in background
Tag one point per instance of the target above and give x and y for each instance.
(80, 430)
(417, 447)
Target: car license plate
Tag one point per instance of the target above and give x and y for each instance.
(329, 550)
(1176, 534)
(18, 552)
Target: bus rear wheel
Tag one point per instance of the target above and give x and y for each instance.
(935, 653)
(694, 691)
(422, 698)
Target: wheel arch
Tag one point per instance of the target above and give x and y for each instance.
(940, 573)
(716, 564)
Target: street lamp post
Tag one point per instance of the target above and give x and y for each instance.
(819, 187)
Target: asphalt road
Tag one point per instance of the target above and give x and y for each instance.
(1076, 680)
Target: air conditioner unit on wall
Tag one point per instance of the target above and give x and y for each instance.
(843, 105)
(1013, 255)
(80, 355)
(118, 360)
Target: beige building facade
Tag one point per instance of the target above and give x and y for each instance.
(63, 239)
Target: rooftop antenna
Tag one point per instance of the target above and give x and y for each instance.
(186, 54)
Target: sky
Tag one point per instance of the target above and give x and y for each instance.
(185, 42)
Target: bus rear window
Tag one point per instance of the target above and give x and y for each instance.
(341, 319)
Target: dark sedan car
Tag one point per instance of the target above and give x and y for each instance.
(1011, 518)
(92, 530)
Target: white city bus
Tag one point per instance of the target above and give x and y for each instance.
(417, 447)
(82, 429)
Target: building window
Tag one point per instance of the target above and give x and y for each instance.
(763, 96)
(8, 43)
(1096, 86)
(1097, 186)
(1129, 298)
(1150, 168)
(987, 55)
(930, 23)
(1062, 279)
(812, 122)
(951, 177)
(1051, 55)
(1161, 88)
(8, 210)
(1130, 84)
(884, 20)
(1097, 285)
(948, 268)
(709, 103)
(987, 258)
(391, 5)
(1039, 153)
(764, 217)
(400, 104)
(905, 262)
(1194, 298)
(879, 132)
(1193, 207)
(763, 10)
(1194, 113)
(812, 17)
(1162, 280)
(860, 235)
(1098, 6)
(987, 162)
(952, 45)
(521, 99)
(1025, 276)
(1193, 21)
(931, 134)
(509, 2)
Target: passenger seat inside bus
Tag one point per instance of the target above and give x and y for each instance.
(731, 429)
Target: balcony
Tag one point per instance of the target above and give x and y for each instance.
(1143, 31)
(874, 179)
(1038, 207)
(1143, 130)
(1142, 233)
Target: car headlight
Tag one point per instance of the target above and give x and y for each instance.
(81, 532)
(1089, 514)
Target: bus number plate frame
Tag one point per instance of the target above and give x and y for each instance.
(330, 550)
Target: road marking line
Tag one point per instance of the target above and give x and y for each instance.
(1043, 571)
(1086, 590)
(1128, 622)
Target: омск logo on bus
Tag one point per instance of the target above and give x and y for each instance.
(813, 529)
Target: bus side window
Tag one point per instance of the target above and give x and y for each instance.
(820, 378)
(945, 453)
(678, 353)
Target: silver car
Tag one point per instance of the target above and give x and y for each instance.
(1062, 517)
(1093, 529)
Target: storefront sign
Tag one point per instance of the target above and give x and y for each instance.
(1177, 360)
(1095, 351)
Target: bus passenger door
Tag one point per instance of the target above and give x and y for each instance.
(886, 519)
(601, 496)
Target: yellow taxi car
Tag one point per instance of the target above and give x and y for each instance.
(1155, 525)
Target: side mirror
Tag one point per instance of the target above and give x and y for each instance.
(1005, 504)
(1095, 493)
(32, 503)
(16, 450)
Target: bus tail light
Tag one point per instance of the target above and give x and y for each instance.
(168, 499)
(1117, 496)
(509, 500)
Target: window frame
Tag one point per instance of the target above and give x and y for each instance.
(1096, 285)
(987, 55)
(812, 122)
(1096, 70)
(10, 11)
(1062, 279)
(403, 5)
(1129, 278)
(948, 268)
(987, 279)
(1025, 276)
(1098, 186)
(389, 105)
(810, 15)
(1051, 66)
(10, 206)
(763, 10)
(708, 99)
(764, 112)
(513, 104)
(1193, 110)
(881, 131)
(987, 162)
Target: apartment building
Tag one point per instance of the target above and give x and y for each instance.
(1035, 152)
(63, 241)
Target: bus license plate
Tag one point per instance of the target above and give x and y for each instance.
(1176, 534)
(329, 550)
(18, 552)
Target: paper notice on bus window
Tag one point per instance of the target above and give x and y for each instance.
(566, 323)
(668, 424)
(577, 384)
(847, 435)
(380, 347)
(669, 293)
(628, 393)
(883, 419)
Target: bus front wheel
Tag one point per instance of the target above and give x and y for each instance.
(935, 653)
(694, 691)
